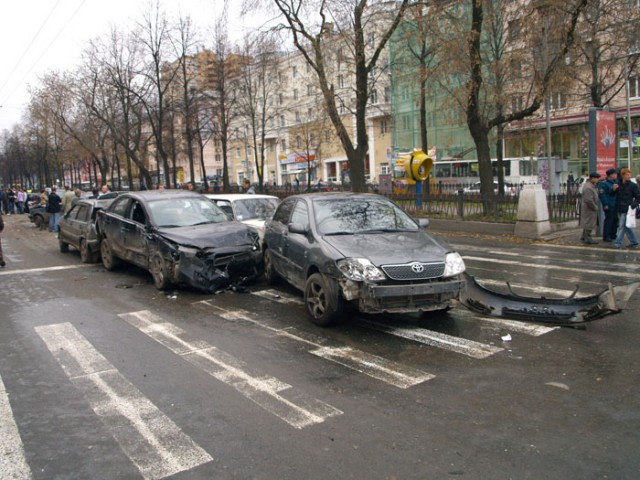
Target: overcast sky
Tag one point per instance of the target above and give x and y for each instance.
(37, 36)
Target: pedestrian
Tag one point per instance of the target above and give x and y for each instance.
(53, 208)
(608, 194)
(104, 190)
(2, 262)
(628, 196)
(67, 199)
(11, 201)
(589, 208)
(247, 187)
(21, 198)
(3, 201)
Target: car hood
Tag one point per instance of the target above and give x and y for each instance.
(390, 248)
(210, 235)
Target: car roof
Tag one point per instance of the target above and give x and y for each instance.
(150, 195)
(237, 196)
(337, 195)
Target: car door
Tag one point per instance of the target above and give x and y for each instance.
(78, 223)
(296, 248)
(69, 226)
(136, 238)
(113, 225)
(276, 235)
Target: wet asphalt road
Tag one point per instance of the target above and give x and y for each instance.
(105, 377)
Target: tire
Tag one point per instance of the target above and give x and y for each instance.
(38, 221)
(109, 260)
(64, 246)
(86, 255)
(160, 272)
(269, 272)
(321, 298)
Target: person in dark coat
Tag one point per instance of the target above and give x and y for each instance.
(608, 193)
(53, 208)
(2, 262)
(589, 208)
(628, 196)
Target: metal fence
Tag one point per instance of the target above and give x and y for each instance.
(456, 204)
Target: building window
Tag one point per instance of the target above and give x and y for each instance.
(280, 78)
(298, 141)
(634, 85)
(309, 90)
(283, 145)
(385, 169)
(516, 104)
(280, 99)
(294, 72)
(327, 135)
(340, 81)
(271, 147)
(406, 122)
(282, 122)
(312, 138)
(558, 101)
(370, 40)
(383, 126)
(295, 94)
(297, 113)
(374, 96)
(309, 114)
(387, 94)
(218, 158)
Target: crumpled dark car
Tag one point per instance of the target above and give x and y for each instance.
(181, 238)
(362, 249)
(78, 228)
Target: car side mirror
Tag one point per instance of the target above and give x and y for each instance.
(297, 228)
(423, 223)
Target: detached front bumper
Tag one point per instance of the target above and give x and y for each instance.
(373, 298)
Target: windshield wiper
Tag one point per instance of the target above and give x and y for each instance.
(337, 233)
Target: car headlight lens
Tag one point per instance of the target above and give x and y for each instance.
(359, 270)
(453, 264)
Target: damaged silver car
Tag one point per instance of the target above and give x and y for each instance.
(361, 249)
(181, 238)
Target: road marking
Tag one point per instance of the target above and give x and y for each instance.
(400, 376)
(548, 267)
(298, 410)
(279, 297)
(388, 371)
(13, 463)
(527, 328)
(153, 442)
(436, 339)
(45, 269)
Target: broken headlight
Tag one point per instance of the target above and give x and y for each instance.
(359, 269)
(453, 264)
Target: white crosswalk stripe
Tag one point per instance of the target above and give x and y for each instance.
(390, 372)
(153, 442)
(12, 459)
(268, 392)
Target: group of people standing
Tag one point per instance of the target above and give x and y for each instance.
(13, 200)
(619, 197)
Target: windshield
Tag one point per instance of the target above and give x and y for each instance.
(185, 212)
(357, 215)
(255, 208)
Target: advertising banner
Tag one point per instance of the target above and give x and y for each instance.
(602, 141)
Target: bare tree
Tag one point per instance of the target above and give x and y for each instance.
(363, 30)
(259, 86)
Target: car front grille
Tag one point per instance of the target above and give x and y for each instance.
(414, 271)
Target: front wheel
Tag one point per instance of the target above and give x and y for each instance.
(64, 246)
(323, 302)
(109, 260)
(160, 272)
(269, 272)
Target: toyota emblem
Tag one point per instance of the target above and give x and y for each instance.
(417, 267)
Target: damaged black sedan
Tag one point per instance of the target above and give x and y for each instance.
(181, 238)
(360, 249)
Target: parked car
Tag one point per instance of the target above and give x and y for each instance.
(39, 216)
(79, 229)
(252, 210)
(509, 190)
(358, 248)
(180, 237)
